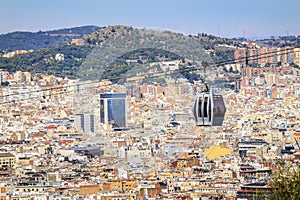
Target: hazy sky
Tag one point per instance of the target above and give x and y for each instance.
(229, 18)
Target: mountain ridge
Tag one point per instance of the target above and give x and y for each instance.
(26, 40)
(44, 60)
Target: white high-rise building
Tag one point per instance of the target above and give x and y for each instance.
(85, 122)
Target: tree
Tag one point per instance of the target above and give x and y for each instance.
(286, 182)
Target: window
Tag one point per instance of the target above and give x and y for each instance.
(199, 106)
(205, 107)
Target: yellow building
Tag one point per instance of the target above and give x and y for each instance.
(119, 185)
(7, 160)
(297, 56)
(86, 190)
(297, 137)
(116, 196)
(214, 152)
(7, 164)
(273, 136)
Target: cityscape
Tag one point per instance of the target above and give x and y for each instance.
(117, 112)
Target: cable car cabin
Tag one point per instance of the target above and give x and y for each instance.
(209, 109)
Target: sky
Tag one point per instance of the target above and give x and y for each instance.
(228, 18)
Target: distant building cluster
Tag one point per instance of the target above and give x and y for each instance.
(65, 139)
(13, 53)
(254, 55)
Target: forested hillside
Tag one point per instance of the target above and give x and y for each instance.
(42, 39)
(104, 50)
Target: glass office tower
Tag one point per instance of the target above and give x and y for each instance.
(113, 109)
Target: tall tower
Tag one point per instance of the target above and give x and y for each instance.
(1, 78)
(113, 110)
(85, 122)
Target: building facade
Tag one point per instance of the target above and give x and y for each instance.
(113, 110)
(85, 122)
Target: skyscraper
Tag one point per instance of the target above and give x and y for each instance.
(1, 78)
(86, 122)
(113, 109)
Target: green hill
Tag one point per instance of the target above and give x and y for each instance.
(114, 41)
(43, 60)
(101, 56)
(42, 39)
